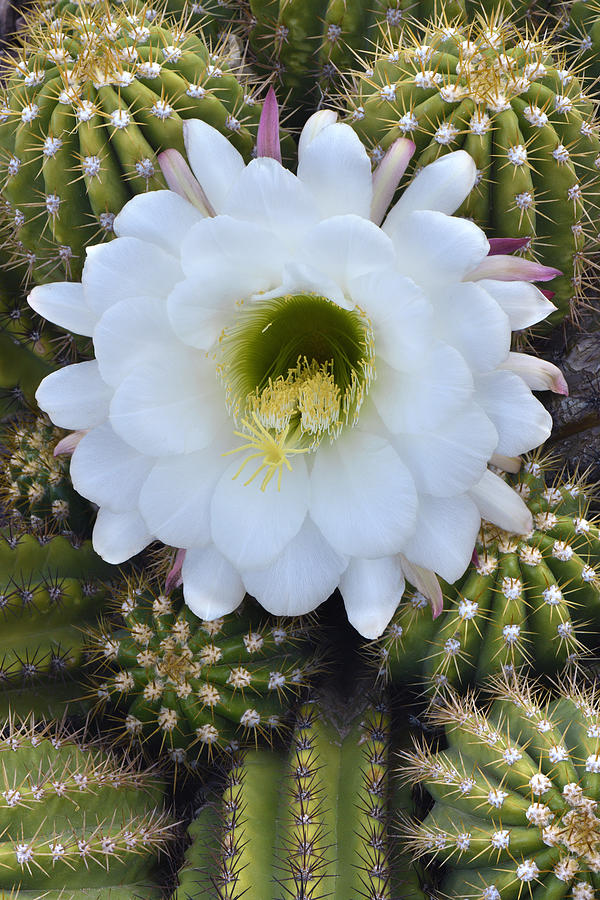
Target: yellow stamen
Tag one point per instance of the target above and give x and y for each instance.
(272, 450)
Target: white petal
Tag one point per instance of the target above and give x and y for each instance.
(108, 471)
(211, 586)
(401, 316)
(451, 458)
(271, 196)
(299, 278)
(301, 578)
(125, 268)
(131, 333)
(226, 261)
(336, 169)
(420, 400)
(445, 535)
(251, 527)
(523, 303)
(218, 245)
(173, 405)
(119, 536)
(538, 374)
(434, 249)
(467, 317)
(214, 160)
(65, 304)
(313, 127)
(372, 589)
(442, 186)
(346, 247)
(159, 217)
(362, 495)
(175, 499)
(520, 419)
(426, 582)
(500, 504)
(75, 397)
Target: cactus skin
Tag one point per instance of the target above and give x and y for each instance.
(76, 822)
(88, 105)
(49, 590)
(191, 687)
(308, 42)
(34, 484)
(314, 822)
(515, 794)
(520, 116)
(524, 602)
(582, 35)
(20, 374)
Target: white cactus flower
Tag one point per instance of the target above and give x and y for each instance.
(295, 395)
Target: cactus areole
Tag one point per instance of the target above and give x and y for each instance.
(293, 393)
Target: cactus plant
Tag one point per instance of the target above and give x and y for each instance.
(314, 822)
(501, 96)
(76, 822)
(93, 95)
(49, 590)
(525, 599)
(307, 44)
(20, 374)
(515, 794)
(581, 30)
(34, 484)
(192, 687)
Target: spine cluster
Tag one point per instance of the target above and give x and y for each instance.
(193, 687)
(529, 600)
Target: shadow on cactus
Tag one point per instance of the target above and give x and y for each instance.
(312, 822)
(580, 25)
(530, 600)
(515, 794)
(184, 688)
(506, 97)
(35, 487)
(76, 822)
(49, 591)
(93, 95)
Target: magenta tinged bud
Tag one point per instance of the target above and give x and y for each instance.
(507, 245)
(267, 142)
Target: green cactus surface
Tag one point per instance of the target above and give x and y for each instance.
(91, 98)
(527, 599)
(313, 822)
(308, 43)
(515, 795)
(500, 95)
(191, 687)
(49, 590)
(76, 823)
(581, 31)
(35, 486)
(21, 371)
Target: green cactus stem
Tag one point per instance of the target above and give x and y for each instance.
(91, 98)
(49, 590)
(515, 794)
(508, 100)
(186, 688)
(35, 487)
(76, 823)
(527, 599)
(314, 822)
(581, 31)
(21, 371)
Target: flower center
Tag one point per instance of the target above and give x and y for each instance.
(295, 369)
